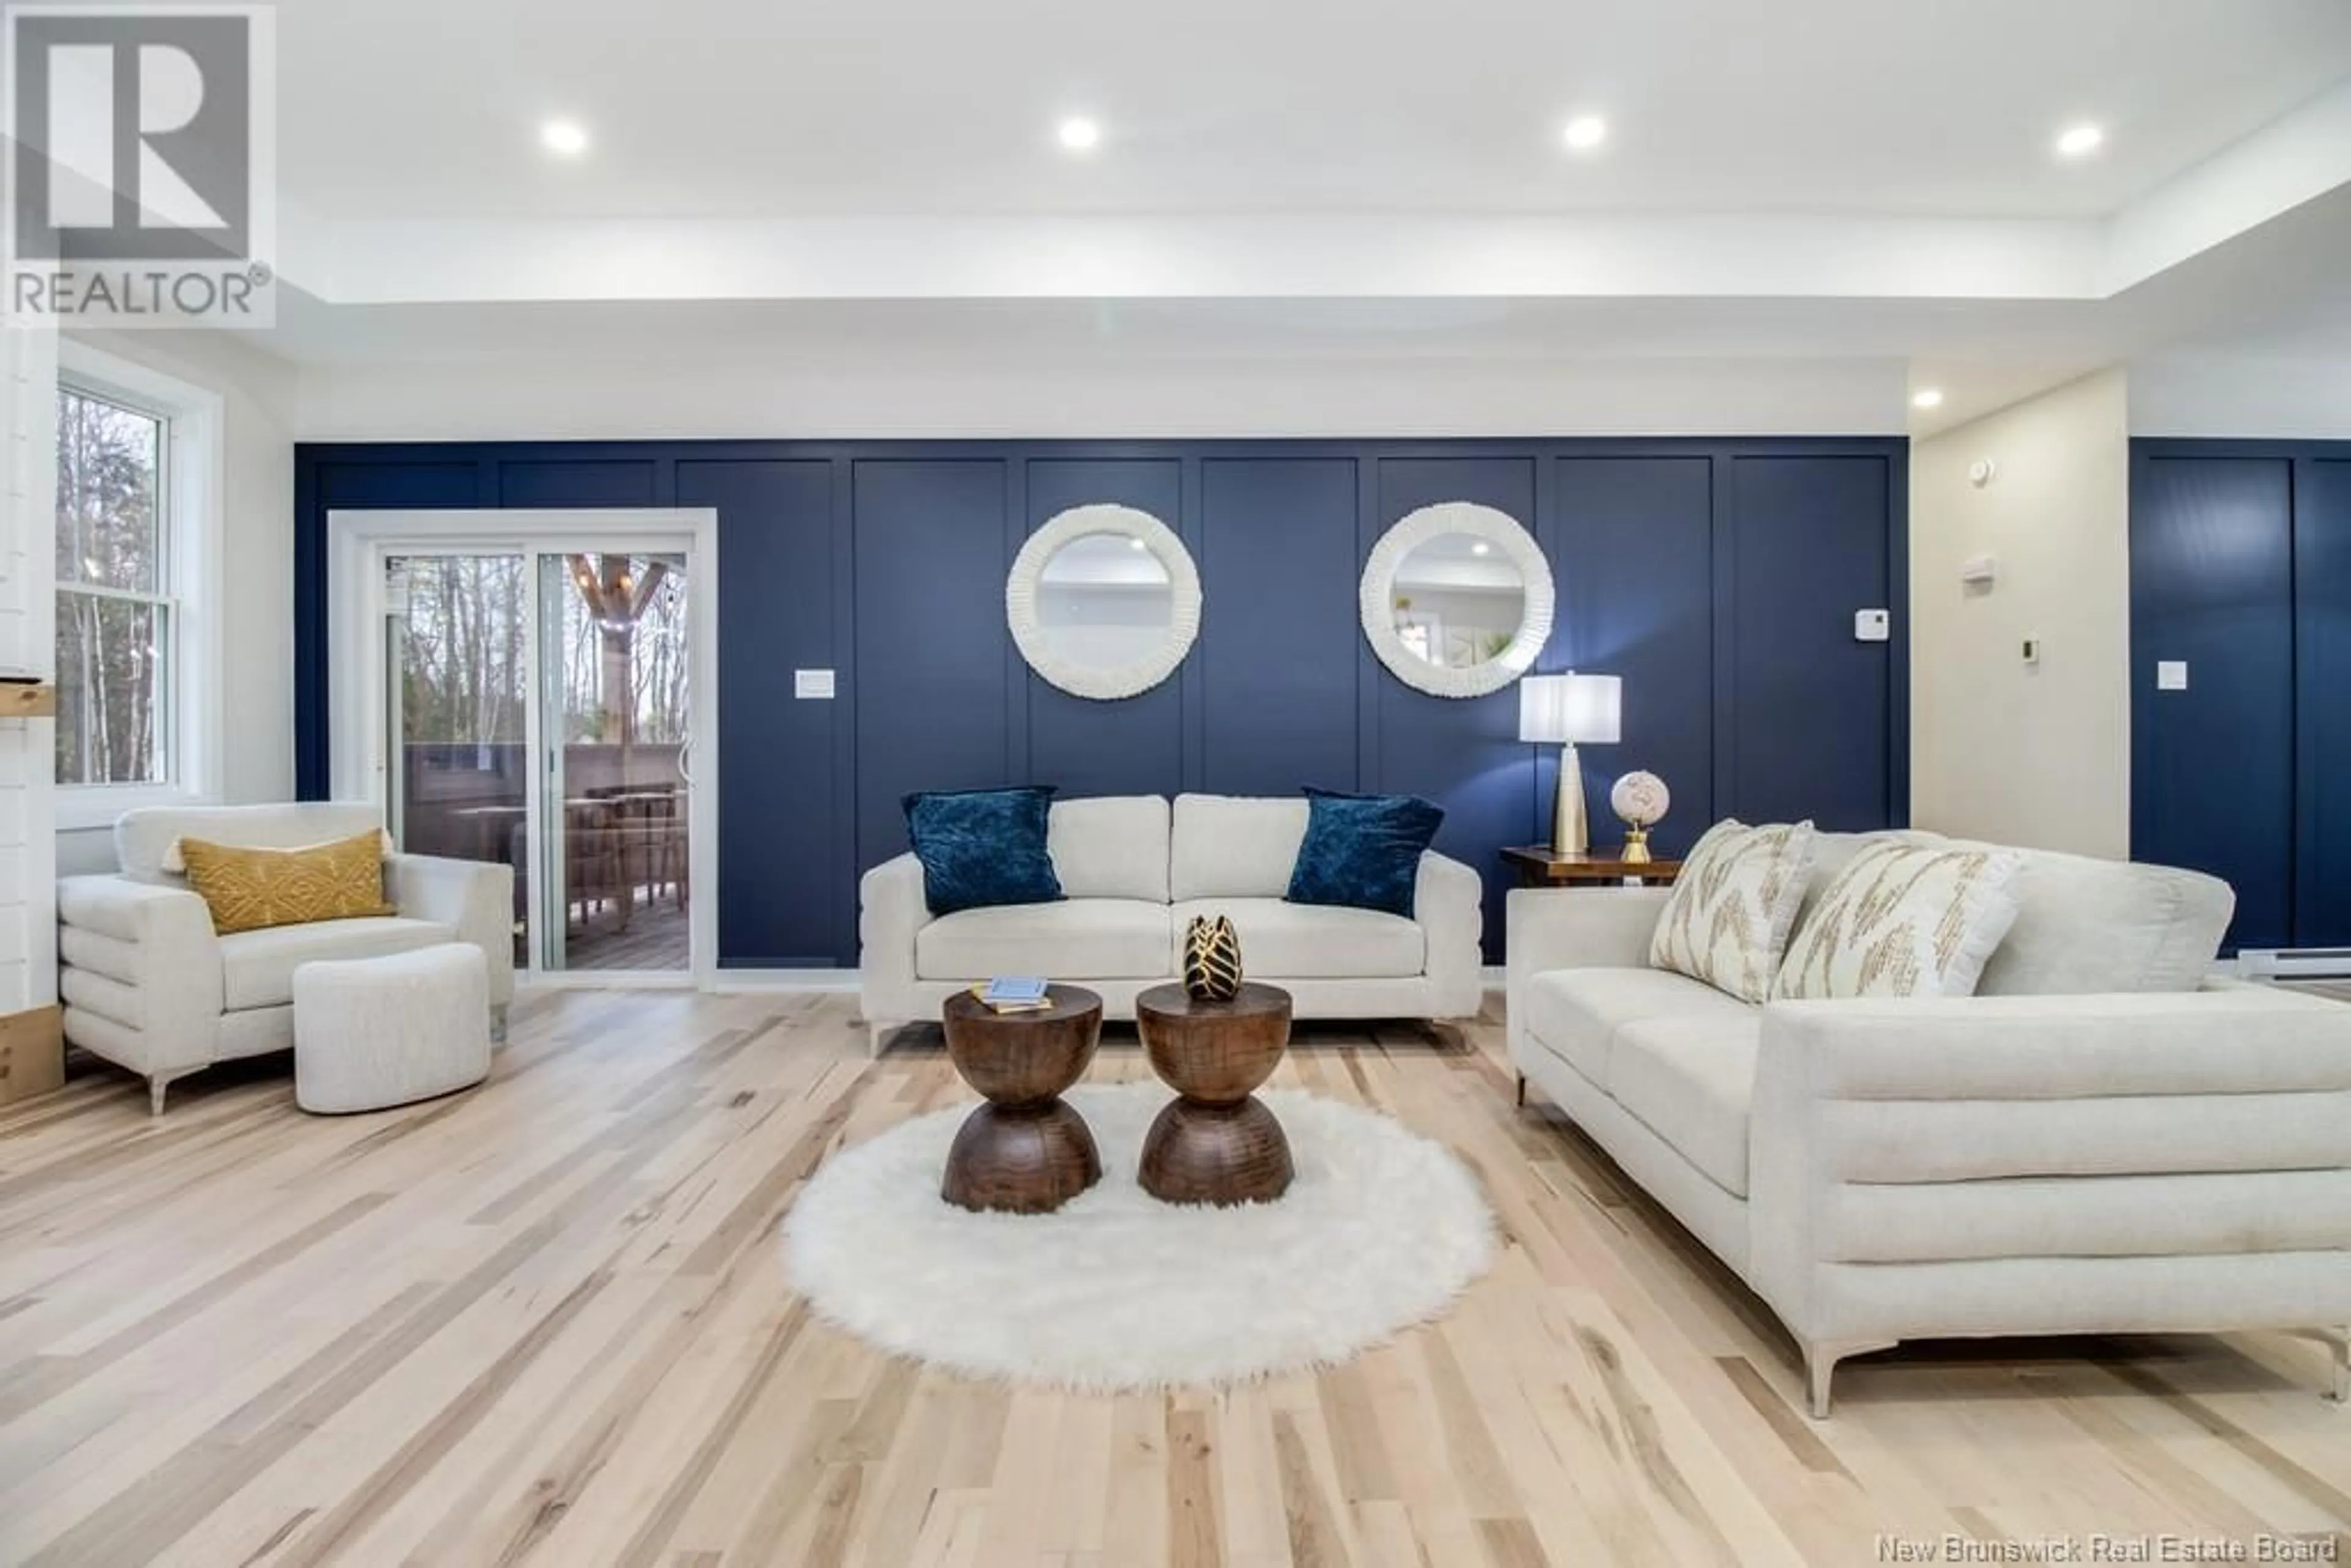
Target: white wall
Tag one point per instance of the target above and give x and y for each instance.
(28, 938)
(2280, 398)
(970, 394)
(2026, 755)
(258, 393)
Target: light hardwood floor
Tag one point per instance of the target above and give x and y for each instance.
(545, 1323)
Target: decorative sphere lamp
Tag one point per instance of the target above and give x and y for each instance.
(1564, 711)
(1641, 800)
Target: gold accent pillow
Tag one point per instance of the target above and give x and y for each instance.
(1904, 920)
(1732, 907)
(249, 890)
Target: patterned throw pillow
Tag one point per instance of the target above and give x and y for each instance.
(248, 890)
(1904, 920)
(1728, 921)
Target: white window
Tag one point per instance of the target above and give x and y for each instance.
(137, 509)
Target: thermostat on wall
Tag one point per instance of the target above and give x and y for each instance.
(813, 683)
(1872, 625)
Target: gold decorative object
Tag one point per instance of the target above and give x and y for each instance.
(1212, 959)
(1640, 798)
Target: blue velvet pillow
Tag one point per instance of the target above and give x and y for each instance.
(980, 848)
(1362, 850)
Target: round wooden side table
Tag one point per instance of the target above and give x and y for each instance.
(1025, 1151)
(1216, 1142)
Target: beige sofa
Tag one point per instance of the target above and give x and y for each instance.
(1136, 871)
(147, 984)
(2101, 1140)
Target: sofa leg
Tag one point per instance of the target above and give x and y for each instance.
(155, 1088)
(1522, 1091)
(1821, 1358)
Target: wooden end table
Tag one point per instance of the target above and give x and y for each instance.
(1026, 1151)
(1216, 1142)
(1538, 867)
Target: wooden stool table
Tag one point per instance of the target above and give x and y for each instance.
(1216, 1142)
(1026, 1151)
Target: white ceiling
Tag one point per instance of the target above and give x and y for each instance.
(738, 107)
(876, 189)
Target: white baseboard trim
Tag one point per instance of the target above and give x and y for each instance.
(1492, 975)
(2294, 963)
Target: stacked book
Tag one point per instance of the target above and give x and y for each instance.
(1013, 996)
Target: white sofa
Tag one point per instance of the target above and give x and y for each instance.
(2099, 1141)
(1134, 871)
(147, 983)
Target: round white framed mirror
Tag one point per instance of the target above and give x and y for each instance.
(1104, 602)
(1456, 599)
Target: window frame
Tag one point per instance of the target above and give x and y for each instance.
(189, 503)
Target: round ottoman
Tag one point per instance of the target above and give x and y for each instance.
(374, 1033)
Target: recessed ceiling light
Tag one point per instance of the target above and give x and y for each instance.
(2080, 141)
(564, 138)
(1078, 134)
(1584, 132)
(1927, 397)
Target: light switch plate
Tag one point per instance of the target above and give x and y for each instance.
(1873, 626)
(2171, 675)
(812, 684)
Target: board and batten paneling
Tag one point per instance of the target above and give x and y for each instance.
(1805, 534)
(1632, 537)
(2212, 587)
(779, 571)
(935, 679)
(1276, 662)
(1718, 577)
(2321, 629)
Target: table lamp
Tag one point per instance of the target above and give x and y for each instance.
(1561, 710)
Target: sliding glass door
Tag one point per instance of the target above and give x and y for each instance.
(615, 677)
(457, 716)
(536, 711)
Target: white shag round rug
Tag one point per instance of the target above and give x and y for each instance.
(1380, 1230)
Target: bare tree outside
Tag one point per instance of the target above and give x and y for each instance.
(626, 662)
(460, 672)
(114, 618)
(624, 674)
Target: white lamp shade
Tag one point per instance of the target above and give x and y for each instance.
(1571, 709)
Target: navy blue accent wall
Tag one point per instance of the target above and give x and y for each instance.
(1718, 577)
(2322, 626)
(2241, 567)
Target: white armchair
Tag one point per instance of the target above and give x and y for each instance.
(149, 985)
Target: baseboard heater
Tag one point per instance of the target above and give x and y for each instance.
(2294, 963)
